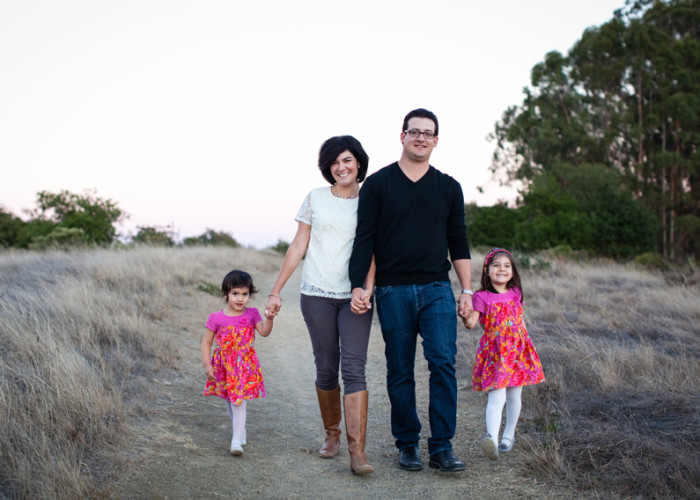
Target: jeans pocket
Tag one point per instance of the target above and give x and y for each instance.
(381, 291)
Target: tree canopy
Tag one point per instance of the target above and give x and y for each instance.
(627, 99)
(62, 219)
(95, 216)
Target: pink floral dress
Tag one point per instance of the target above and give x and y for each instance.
(506, 356)
(235, 362)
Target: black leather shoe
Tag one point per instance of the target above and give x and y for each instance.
(409, 459)
(446, 461)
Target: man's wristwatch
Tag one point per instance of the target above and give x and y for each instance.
(470, 292)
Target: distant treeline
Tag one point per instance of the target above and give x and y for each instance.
(69, 220)
(601, 219)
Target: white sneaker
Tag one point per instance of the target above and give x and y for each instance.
(488, 445)
(236, 449)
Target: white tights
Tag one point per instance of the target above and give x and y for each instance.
(237, 415)
(510, 397)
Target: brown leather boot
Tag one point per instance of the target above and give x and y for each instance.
(329, 402)
(356, 429)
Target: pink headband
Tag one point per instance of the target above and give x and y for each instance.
(493, 252)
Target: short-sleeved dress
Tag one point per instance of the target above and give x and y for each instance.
(235, 362)
(506, 356)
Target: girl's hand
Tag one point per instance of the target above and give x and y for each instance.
(210, 373)
(471, 320)
(273, 306)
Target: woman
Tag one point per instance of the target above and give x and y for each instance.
(327, 221)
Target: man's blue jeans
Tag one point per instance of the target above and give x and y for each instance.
(404, 312)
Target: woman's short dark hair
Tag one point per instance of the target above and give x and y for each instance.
(333, 147)
(420, 113)
(237, 279)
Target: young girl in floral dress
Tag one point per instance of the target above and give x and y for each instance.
(506, 360)
(233, 371)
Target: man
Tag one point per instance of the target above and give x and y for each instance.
(409, 216)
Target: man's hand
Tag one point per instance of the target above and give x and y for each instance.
(360, 302)
(465, 306)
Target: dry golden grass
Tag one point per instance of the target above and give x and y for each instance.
(619, 413)
(83, 336)
(79, 345)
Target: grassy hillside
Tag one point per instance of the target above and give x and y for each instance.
(620, 410)
(82, 336)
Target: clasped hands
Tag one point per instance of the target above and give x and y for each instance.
(360, 302)
(273, 306)
(465, 308)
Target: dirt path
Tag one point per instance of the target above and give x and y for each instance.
(185, 452)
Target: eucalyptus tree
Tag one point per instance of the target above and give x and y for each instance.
(626, 96)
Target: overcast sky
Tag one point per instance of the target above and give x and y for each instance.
(210, 114)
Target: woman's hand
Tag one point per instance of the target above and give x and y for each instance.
(273, 306)
(360, 303)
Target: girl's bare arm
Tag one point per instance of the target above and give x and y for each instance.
(206, 354)
(264, 327)
(472, 319)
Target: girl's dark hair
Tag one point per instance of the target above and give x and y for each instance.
(514, 281)
(237, 279)
(336, 145)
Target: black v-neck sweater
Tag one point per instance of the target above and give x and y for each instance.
(409, 227)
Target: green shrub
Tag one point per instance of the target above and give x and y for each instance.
(281, 247)
(653, 260)
(212, 238)
(61, 238)
(155, 236)
(209, 288)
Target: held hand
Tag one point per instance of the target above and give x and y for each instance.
(273, 306)
(367, 299)
(360, 303)
(468, 323)
(465, 306)
(471, 320)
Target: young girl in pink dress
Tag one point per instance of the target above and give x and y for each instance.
(233, 371)
(506, 360)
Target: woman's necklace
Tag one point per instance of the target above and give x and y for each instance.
(335, 193)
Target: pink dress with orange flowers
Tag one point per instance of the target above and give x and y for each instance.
(235, 362)
(506, 356)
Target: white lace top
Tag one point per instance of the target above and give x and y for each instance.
(333, 221)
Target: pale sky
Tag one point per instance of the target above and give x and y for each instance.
(210, 114)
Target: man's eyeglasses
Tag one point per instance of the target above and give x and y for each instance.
(415, 133)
